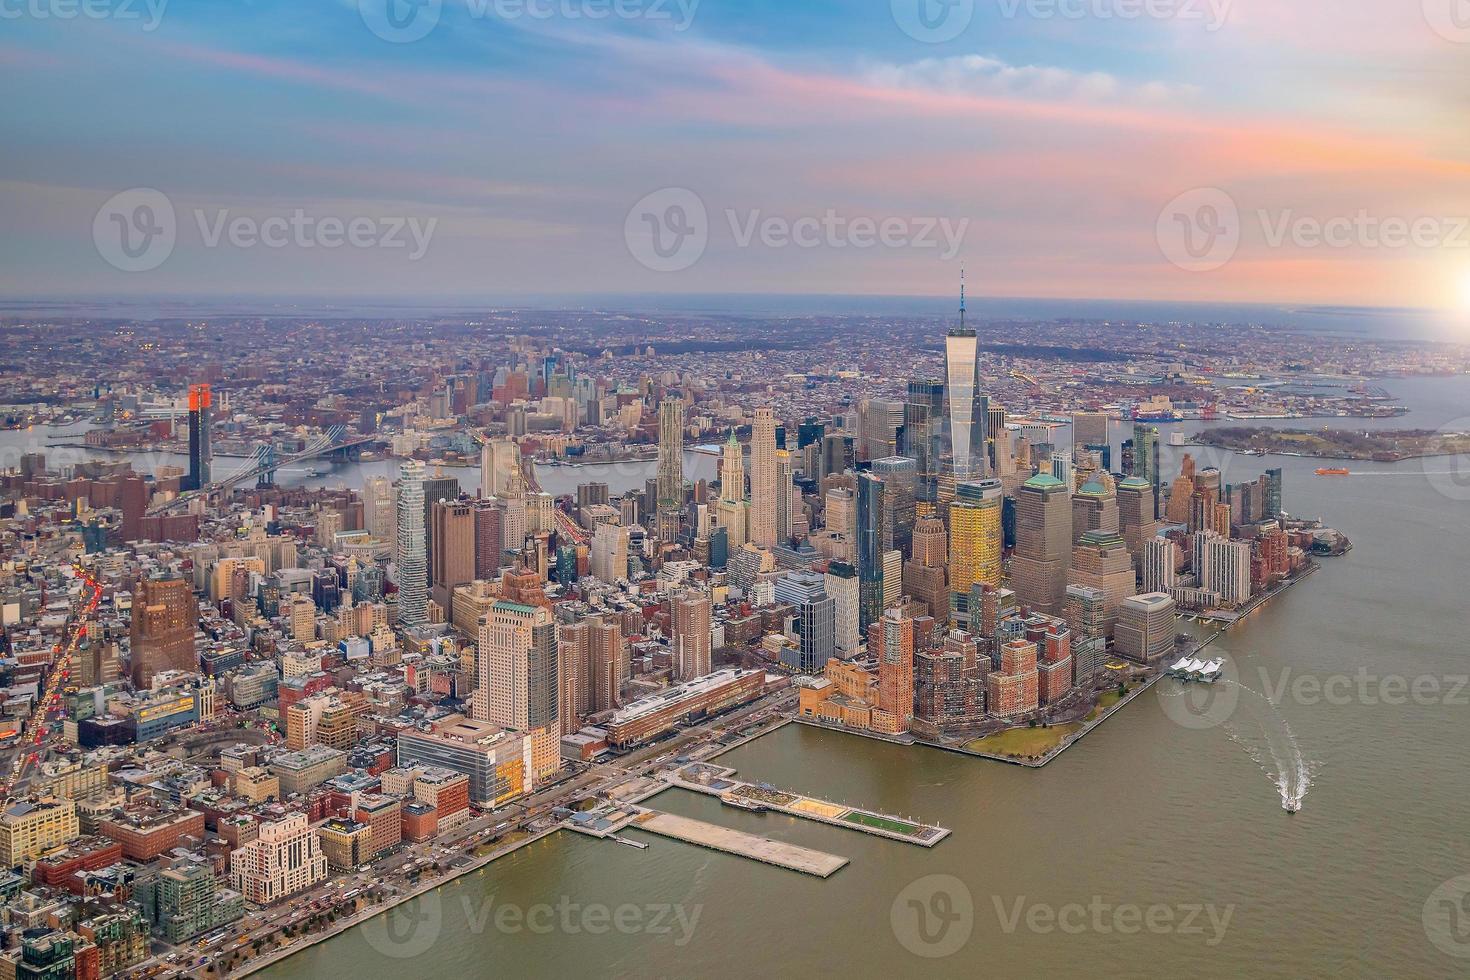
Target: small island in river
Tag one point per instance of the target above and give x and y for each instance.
(1385, 446)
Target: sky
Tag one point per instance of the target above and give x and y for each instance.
(1276, 151)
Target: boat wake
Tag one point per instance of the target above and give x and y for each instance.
(1269, 741)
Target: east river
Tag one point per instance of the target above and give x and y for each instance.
(1156, 846)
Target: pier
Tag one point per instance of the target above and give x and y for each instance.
(605, 822)
(718, 781)
(728, 841)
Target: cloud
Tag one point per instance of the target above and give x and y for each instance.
(974, 74)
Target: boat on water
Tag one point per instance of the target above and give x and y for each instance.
(1333, 471)
(1291, 806)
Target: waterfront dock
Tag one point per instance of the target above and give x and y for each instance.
(717, 838)
(719, 781)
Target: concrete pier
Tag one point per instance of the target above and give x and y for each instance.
(717, 838)
(719, 781)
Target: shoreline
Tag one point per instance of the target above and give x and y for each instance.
(1406, 458)
(351, 922)
(454, 874)
(480, 863)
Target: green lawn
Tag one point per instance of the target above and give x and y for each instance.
(882, 823)
(1105, 701)
(1023, 743)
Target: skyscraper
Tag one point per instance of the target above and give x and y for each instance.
(691, 646)
(784, 491)
(924, 575)
(411, 556)
(608, 658)
(670, 467)
(1089, 429)
(731, 511)
(880, 421)
(870, 534)
(1274, 507)
(763, 479)
(517, 683)
(816, 618)
(165, 614)
(1101, 560)
(377, 506)
(1094, 508)
(1160, 564)
(489, 518)
(892, 641)
(962, 373)
(1136, 517)
(841, 583)
(900, 477)
(976, 543)
(923, 424)
(1043, 544)
(499, 460)
(201, 454)
(452, 530)
(1146, 463)
(610, 553)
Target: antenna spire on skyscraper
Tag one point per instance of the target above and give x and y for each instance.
(962, 297)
